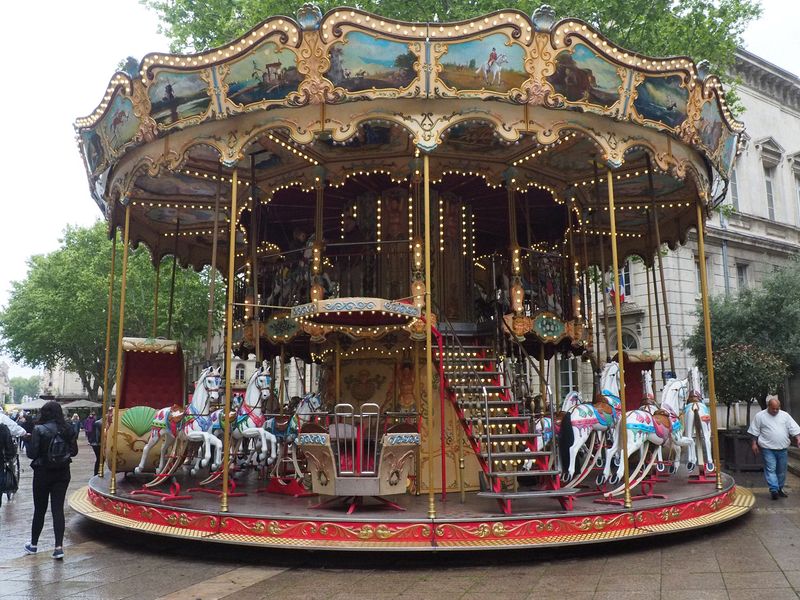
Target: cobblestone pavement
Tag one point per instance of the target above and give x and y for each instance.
(757, 556)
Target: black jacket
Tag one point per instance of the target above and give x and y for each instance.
(37, 447)
(8, 449)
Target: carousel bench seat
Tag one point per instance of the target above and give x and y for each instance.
(351, 459)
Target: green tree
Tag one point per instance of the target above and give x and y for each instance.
(703, 29)
(25, 386)
(765, 320)
(57, 314)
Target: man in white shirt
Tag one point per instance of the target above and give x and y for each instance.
(15, 429)
(772, 430)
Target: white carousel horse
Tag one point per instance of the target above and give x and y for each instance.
(543, 428)
(190, 424)
(249, 418)
(492, 73)
(580, 422)
(286, 430)
(649, 405)
(697, 417)
(660, 428)
(571, 400)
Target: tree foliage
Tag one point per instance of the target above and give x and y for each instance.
(766, 320)
(702, 29)
(57, 314)
(25, 386)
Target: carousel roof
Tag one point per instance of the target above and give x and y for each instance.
(352, 100)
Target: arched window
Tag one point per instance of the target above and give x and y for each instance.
(629, 341)
(240, 372)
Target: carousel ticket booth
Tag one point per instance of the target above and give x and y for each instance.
(415, 209)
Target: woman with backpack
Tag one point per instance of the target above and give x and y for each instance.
(52, 446)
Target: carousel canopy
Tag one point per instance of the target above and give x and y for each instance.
(350, 101)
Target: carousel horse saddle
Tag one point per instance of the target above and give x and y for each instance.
(662, 423)
(282, 424)
(604, 412)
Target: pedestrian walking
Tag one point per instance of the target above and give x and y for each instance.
(88, 424)
(772, 430)
(76, 424)
(8, 466)
(95, 435)
(52, 446)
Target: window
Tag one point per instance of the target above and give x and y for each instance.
(741, 276)
(240, 372)
(769, 176)
(629, 341)
(698, 287)
(569, 375)
(734, 191)
(797, 190)
(625, 278)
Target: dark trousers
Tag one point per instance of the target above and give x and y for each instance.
(49, 485)
(96, 449)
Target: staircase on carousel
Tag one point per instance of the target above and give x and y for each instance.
(489, 393)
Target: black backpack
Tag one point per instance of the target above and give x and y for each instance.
(8, 449)
(59, 450)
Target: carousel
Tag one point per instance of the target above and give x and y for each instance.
(410, 220)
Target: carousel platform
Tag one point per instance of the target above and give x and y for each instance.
(270, 520)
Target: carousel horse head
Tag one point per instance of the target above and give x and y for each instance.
(609, 380)
(263, 382)
(210, 381)
(695, 385)
(648, 396)
(673, 396)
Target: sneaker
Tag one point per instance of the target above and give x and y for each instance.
(782, 494)
(774, 494)
(58, 553)
(30, 549)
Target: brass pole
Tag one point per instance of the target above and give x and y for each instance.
(623, 426)
(587, 307)
(667, 323)
(337, 372)
(658, 316)
(226, 439)
(429, 333)
(603, 269)
(213, 274)
(112, 487)
(712, 394)
(155, 297)
(109, 310)
(172, 284)
(542, 377)
(418, 406)
(254, 233)
(649, 306)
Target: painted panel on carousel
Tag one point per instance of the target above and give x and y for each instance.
(93, 151)
(368, 136)
(583, 76)
(177, 97)
(710, 126)
(364, 62)
(491, 63)
(662, 99)
(475, 137)
(728, 154)
(178, 184)
(119, 125)
(268, 73)
(186, 216)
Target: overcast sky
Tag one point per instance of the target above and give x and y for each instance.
(58, 58)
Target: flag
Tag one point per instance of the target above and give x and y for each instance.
(612, 292)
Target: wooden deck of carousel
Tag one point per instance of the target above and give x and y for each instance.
(270, 520)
